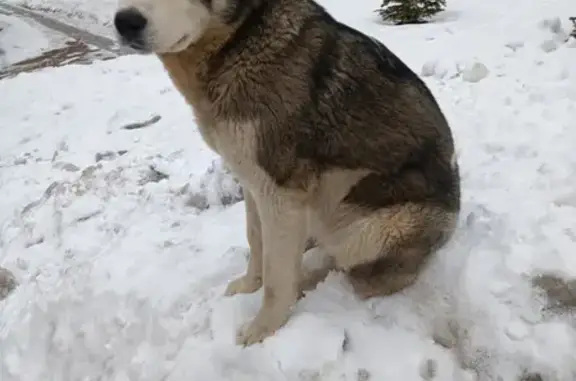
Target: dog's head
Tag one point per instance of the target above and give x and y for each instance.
(167, 26)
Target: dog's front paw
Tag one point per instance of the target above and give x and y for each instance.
(259, 329)
(244, 285)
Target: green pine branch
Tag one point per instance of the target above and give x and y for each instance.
(410, 11)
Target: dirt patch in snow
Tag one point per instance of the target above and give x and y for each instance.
(74, 52)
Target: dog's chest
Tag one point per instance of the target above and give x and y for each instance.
(236, 143)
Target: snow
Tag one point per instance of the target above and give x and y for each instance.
(475, 72)
(94, 16)
(22, 39)
(121, 263)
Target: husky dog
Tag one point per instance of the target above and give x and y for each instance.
(333, 138)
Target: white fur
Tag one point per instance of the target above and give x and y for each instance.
(172, 25)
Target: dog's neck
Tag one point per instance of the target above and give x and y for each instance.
(188, 68)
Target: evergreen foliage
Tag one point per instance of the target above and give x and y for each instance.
(410, 11)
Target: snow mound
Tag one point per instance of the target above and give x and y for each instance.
(440, 69)
(217, 187)
(475, 72)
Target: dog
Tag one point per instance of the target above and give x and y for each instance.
(334, 140)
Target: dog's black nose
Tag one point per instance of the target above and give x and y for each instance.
(130, 23)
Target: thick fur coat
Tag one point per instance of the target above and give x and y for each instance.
(336, 142)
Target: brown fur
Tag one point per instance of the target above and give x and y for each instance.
(315, 116)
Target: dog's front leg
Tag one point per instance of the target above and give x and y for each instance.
(283, 222)
(252, 280)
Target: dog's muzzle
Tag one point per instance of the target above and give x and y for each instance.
(130, 25)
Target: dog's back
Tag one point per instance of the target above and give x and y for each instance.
(332, 97)
(370, 129)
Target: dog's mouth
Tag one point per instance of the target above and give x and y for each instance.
(138, 45)
(141, 47)
(181, 44)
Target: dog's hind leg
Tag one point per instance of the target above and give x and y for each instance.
(389, 274)
(386, 252)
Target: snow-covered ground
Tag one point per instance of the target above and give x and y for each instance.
(92, 15)
(123, 240)
(21, 39)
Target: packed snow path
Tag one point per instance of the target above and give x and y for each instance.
(122, 240)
